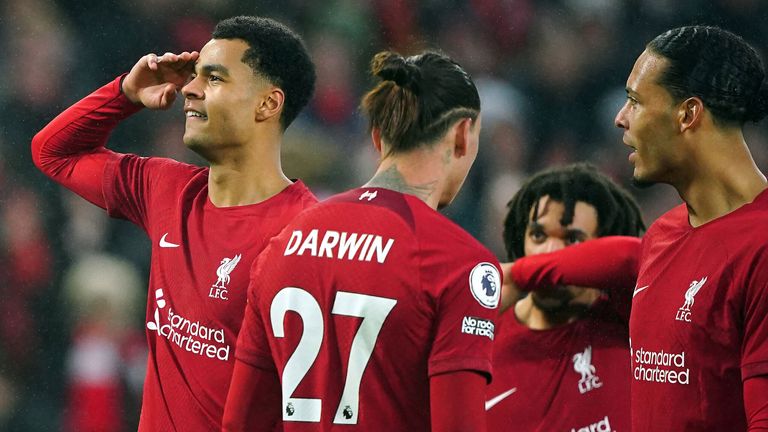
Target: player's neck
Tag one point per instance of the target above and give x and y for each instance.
(721, 179)
(535, 318)
(418, 173)
(246, 175)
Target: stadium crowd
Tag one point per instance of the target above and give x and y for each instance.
(550, 74)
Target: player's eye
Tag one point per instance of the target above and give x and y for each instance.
(575, 237)
(537, 235)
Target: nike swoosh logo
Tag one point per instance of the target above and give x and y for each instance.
(166, 244)
(491, 403)
(637, 291)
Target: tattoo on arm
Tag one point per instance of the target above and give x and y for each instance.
(392, 179)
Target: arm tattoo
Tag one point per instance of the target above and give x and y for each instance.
(392, 179)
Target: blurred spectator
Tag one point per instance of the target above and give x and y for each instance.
(107, 352)
(551, 75)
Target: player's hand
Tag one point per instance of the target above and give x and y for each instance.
(154, 81)
(510, 293)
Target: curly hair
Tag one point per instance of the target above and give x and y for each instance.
(617, 211)
(276, 53)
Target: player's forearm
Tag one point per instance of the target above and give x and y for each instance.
(607, 263)
(253, 400)
(457, 402)
(70, 149)
(82, 128)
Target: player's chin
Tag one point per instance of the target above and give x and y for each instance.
(195, 142)
(642, 180)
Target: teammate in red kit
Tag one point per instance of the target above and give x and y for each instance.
(698, 334)
(560, 356)
(207, 225)
(372, 311)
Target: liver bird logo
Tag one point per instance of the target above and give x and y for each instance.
(582, 363)
(691, 293)
(226, 267)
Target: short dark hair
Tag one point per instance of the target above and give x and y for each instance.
(617, 212)
(418, 98)
(717, 66)
(276, 53)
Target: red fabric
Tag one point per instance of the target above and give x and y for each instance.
(94, 407)
(305, 292)
(698, 327)
(201, 254)
(606, 263)
(756, 403)
(249, 410)
(70, 149)
(457, 402)
(538, 385)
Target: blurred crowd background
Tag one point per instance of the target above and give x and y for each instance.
(551, 74)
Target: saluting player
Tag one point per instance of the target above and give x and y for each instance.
(207, 225)
(372, 311)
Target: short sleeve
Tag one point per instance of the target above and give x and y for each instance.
(465, 312)
(754, 359)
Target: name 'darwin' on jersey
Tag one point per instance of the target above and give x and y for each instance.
(339, 245)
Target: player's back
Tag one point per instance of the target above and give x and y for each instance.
(363, 298)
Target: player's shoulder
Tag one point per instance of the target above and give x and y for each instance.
(170, 170)
(672, 222)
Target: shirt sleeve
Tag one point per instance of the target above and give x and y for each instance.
(465, 308)
(754, 359)
(610, 264)
(71, 148)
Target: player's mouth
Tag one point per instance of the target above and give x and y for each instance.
(192, 114)
(633, 154)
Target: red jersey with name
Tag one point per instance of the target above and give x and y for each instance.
(359, 302)
(571, 378)
(698, 320)
(201, 255)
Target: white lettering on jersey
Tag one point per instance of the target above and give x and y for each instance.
(191, 336)
(660, 367)
(478, 327)
(339, 245)
(603, 425)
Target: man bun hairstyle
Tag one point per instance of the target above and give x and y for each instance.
(718, 67)
(418, 99)
(277, 54)
(617, 211)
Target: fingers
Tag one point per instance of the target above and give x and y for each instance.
(174, 61)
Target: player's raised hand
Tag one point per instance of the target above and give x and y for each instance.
(154, 80)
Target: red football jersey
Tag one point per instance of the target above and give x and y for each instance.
(697, 327)
(570, 378)
(201, 255)
(359, 301)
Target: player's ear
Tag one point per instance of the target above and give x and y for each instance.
(461, 133)
(690, 113)
(271, 104)
(376, 138)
